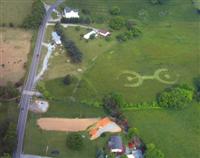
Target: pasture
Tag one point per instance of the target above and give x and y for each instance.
(12, 11)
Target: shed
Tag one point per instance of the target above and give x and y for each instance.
(115, 144)
(87, 36)
(104, 33)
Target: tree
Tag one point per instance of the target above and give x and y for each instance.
(153, 152)
(176, 97)
(92, 36)
(132, 132)
(67, 79)
(74, 141)
(34, 20)
(117, 23)
(157, 1)
(197, 87)
(112, 104)
(115, 10)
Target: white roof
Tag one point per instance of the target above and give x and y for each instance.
(71, 14)
(56, 38)
(87, 36)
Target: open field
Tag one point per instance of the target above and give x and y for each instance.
(169, 41)
(12, 11)
(15, 46)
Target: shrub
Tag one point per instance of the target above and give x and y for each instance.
(86, 11)
(77, 28)
(176, 97)
(11, 24)
(197, 87)
(67, 80)
(115, 10)
(117, 23)
(132, 132)
(9, 91)
(74, 141)
(153, 152)
(157, 1)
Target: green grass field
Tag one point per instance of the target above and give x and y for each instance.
(169, 40)
(14, 11)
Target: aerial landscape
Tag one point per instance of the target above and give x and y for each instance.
(99, 78)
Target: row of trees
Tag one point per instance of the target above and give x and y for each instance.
(72, 50)
(9, 91)
(81, 20)
(7, 137)
(34, 19)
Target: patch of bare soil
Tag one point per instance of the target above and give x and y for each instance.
(65, 125)
(14, 48)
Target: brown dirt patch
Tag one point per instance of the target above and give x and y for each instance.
(66, 125)
(14, 47)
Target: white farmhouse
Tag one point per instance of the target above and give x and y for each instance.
(56, 38)
(87, 36)
(70, 13)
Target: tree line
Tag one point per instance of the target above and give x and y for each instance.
(34, 19)
(71, 48)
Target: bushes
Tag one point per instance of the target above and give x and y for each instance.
(74, 141)
(42, 88)
(70, 46)
(117, 23)
(197, 87)
(115, 10)
(9, 91)
(153, 152)
(156, 1)
(175, 98)
(67, 80)
(82, 20)
(34, 20)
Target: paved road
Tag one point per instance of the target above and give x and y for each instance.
(30, 83)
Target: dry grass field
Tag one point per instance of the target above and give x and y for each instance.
(14, 47)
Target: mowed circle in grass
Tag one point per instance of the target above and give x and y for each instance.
(134, 79)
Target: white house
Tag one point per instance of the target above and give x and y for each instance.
(103, 33)
(56, 38)
(87, 36)
(70, 13)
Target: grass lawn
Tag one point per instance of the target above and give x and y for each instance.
(176, 133)
(12, 11)
(169, 40)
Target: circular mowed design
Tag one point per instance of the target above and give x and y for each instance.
(134, 79)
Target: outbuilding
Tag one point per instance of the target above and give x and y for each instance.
(70, 13)
(56, 38)
(103, 33)
(115, 144)
(87, 36)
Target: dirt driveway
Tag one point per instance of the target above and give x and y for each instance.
(14, 47)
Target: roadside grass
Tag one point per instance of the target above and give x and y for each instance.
(14, 11)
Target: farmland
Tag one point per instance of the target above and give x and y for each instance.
(169, 41)
(14, 11)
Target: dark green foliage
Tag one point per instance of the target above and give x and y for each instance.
(67, 80)
(197, 87)
(112, 104)
(131, 34)
(116, 23)
(157, 1)
(11, 24)
(82, 20)
(153, 152)
(7, 136)
(42, 88)
(34, 20)
(115, 10)
(176, 97)
(77, 28)
(92, 36)
(9, 91)
(132, 132)
(69, 45)
(86, 11)
(74, 141)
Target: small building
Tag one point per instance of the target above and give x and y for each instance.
(87, 36)
(135, 154)
(56, 38)
(103, 33)
(70, 13)
(39, 106)
(115, 145)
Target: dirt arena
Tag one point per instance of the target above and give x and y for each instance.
(14, 47)
(65, 125)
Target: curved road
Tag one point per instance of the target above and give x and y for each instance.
(30, 83)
